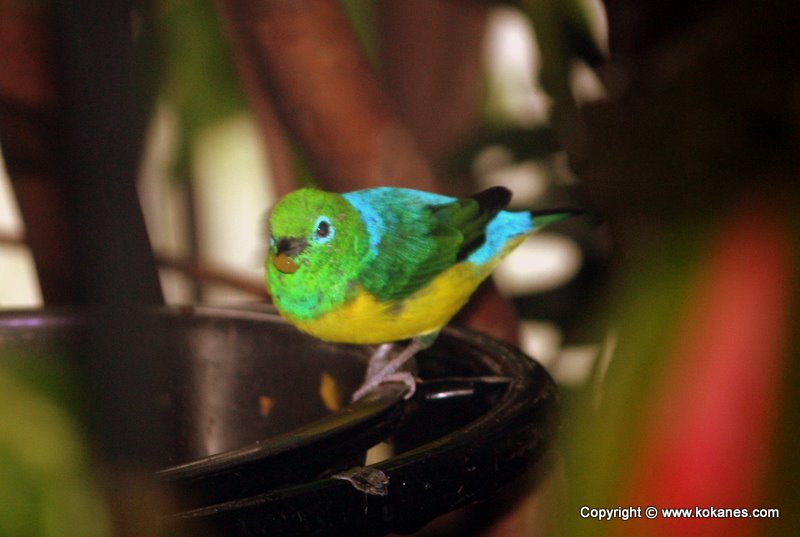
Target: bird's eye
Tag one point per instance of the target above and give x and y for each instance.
(323, 230)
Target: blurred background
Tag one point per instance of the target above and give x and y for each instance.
(668, 317)
(206, 181)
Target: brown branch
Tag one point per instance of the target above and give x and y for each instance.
(25, 76)
(198, 271)
(8, 238)
(212, 275)
(305, 54)
(31, 149)
(431, 55)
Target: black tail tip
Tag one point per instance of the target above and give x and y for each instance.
(495, 198)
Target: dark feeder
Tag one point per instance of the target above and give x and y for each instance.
(254, 450)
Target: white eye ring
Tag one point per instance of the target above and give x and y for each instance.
(323, 230)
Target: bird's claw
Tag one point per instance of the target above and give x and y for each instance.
(403, 377)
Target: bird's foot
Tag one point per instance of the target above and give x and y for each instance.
(382, 370)
(403, 377)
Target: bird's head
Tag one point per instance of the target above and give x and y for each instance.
(314, 233)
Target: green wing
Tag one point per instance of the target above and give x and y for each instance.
(423, 235)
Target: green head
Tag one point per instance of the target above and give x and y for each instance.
(317, 246)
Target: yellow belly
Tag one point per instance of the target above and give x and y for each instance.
(365, 320)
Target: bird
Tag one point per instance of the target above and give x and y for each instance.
(382, 265)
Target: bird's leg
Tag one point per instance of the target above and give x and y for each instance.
(377, 375)
(379, 359)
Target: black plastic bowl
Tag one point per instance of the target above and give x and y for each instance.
(260, 424)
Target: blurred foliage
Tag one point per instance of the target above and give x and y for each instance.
(47, 485)
(564, 33)
(607, 424)
(185, 54)
(568, 32)
(197, 75)
(605, 419)
(182, 45)
(703, 119)
(523, 143)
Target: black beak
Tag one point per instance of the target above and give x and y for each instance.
(290, 246)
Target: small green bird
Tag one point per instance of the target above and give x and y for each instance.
(381, 265)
